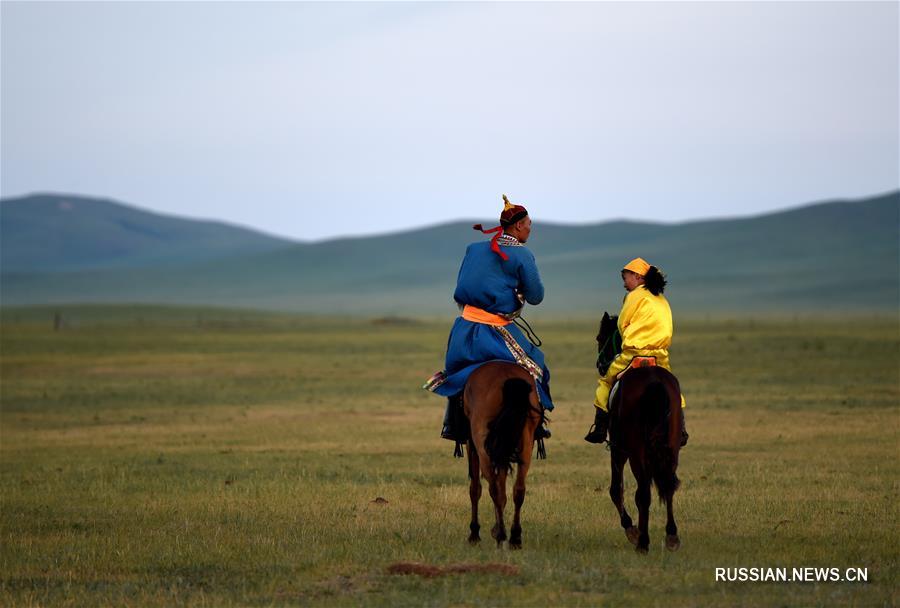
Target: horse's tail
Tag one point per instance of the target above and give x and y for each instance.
(655, 408)
(505, 431)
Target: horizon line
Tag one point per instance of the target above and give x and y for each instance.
(428, 226)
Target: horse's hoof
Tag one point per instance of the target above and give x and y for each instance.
(515, 544)
(474, 539)
(632, 534)
(672, 542)
(642, 550)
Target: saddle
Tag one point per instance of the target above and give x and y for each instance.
(637, 363)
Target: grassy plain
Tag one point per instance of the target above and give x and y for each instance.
(210, 458)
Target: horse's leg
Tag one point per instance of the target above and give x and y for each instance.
(672, 540)
(642, 499)
(498, 494)
(474, 491)
(493, 479)
(616, 489)
(515, 533)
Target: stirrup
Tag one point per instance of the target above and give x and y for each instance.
(591, 436)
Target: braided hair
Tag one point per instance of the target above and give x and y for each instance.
(655, 281)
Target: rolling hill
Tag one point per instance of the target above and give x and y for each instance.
(52, 233)
(832, 257)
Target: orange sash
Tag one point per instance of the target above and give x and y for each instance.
(477, 315)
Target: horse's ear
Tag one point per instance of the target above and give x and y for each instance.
(605, 316)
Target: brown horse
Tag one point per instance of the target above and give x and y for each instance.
(501, 403)
(645, 430)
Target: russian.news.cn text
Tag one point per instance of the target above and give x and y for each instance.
(792, 575)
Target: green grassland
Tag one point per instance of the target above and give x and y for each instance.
(155, 456)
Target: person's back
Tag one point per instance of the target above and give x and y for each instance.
(645, 321)
(492, 284)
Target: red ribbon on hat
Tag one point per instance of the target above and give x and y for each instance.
(495, 246)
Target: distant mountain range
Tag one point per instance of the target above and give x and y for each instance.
(52, 233)
(839, 256)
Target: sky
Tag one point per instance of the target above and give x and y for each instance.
(313, 120)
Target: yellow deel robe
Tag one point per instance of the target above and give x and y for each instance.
(645, 323)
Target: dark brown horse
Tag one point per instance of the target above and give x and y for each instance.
(502, 406)
(645, 430)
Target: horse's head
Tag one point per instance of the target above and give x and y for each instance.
(609, 342)
(607, 327)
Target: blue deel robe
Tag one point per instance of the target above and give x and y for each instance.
(490, 283)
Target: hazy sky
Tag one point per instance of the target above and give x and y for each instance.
(315, 119)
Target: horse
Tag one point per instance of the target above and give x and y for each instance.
(501, 402)
(645, 430)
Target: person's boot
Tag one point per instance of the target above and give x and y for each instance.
(597, 434)
(684, 435)
(542, 432)
(448, 431)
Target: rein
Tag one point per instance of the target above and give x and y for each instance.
(611, 339)
(605, 344)
(611, 346)
(529, 333)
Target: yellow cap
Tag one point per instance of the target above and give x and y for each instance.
(638, 265)
(506, 204)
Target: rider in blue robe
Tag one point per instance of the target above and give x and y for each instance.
(494, 281)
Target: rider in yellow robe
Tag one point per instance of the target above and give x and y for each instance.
(645, 324)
